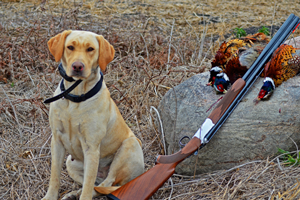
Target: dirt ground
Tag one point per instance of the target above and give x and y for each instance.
(159, 44)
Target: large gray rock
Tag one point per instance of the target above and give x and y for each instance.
(294, 41)
(251, 132)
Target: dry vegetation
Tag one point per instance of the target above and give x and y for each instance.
(159, 44)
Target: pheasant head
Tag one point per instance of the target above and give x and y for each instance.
(266, 90)
(221, 83)
(213, 73)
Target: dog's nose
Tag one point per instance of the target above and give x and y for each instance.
(77, 66)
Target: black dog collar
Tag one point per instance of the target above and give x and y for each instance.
(83, 97)
(71, 97)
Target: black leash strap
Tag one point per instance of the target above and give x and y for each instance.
(83, 97)
(64, 93)
(63, 73)
(72, 97)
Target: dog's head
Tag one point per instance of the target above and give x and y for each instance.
(81, 52)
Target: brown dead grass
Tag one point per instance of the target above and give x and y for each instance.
(159, 44)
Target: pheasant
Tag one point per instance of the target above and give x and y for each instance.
(236, 56)
(284, 64)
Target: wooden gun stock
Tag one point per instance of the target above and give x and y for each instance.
(145, 185)
(227, 100)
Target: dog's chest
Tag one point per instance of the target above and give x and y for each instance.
(74, 128)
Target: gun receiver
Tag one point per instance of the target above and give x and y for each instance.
(145, 185)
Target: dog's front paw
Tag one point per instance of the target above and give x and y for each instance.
(74, 195)
(50, 197)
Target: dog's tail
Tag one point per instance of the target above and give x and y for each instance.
(106, 190)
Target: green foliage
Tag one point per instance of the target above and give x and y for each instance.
(12, 84)
(239, 32)
(290, 159)
(264, 30)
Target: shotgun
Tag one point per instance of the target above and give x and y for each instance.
(145, 185)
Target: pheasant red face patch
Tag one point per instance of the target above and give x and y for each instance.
(261, 94)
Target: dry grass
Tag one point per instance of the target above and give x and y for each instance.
(159, 44)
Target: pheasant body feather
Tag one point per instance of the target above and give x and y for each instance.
(283, 65)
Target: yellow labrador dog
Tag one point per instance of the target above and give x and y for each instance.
(103, 150)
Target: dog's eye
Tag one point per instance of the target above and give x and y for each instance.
(71, 48)
(90, 49)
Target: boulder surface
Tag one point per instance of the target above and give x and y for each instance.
(252, 132)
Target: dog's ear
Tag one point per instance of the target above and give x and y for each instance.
(106, 52)
(56, 44)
